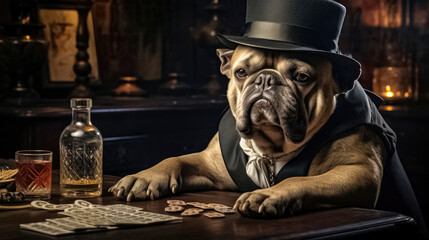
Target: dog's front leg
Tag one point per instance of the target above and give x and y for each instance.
(342, 186)
(167, 177)
(346, 173)
(198, 171)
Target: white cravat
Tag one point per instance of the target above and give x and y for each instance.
(256, 167)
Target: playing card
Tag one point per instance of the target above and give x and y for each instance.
(141, 218)
(123, 207)
(66, 214)
(95, 220)
(204, 206)
(217, 205)
(173, 209)
(224, 210)
(84, 216)
(191, 212)
(193, 203)
(195, 209)
(129, 221)
(176, 202)
(46, 228)
(214, 215)
(71, 224)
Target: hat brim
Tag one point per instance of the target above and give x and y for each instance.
(347, 68)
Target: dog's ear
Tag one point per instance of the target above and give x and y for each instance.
(225, 56)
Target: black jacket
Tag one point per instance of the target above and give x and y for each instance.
(355, 108)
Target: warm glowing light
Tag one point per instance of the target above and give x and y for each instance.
(27, 37)
(388, 88)
(129, 79)
(393, 83)
(388, 108)
(25, 20)
(388, 92)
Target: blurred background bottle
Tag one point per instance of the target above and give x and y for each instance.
(81, 154)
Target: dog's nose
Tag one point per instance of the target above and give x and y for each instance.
(266, 79)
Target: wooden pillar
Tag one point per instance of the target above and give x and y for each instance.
(82, 67)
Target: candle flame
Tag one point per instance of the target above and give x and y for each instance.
(388, 88)
(389, 94)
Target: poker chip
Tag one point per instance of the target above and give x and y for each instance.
(63, 206)
(173, 209)
(82, 203)
(39, 203)
(50, 207)
(214, 215)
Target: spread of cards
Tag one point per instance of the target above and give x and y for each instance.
(176, 206)
(83, 216)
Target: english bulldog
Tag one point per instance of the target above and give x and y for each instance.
(279, 100)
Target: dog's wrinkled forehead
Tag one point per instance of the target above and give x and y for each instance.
(250, 57)
(256, 59)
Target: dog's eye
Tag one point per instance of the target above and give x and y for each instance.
(302, 77)
(241, 73)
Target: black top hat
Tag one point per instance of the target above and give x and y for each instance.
(311, 26)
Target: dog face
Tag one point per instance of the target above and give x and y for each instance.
(279, 99)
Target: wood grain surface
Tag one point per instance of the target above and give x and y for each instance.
(351, 223)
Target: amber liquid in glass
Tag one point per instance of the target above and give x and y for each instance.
(83, 188)
(34, 178)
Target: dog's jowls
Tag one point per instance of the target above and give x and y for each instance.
(279, 100)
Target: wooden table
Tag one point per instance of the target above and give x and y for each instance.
(350, 223)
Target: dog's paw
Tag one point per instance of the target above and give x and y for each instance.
(146, 185)
(267, 203)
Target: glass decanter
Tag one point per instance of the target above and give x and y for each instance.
(81, 154)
